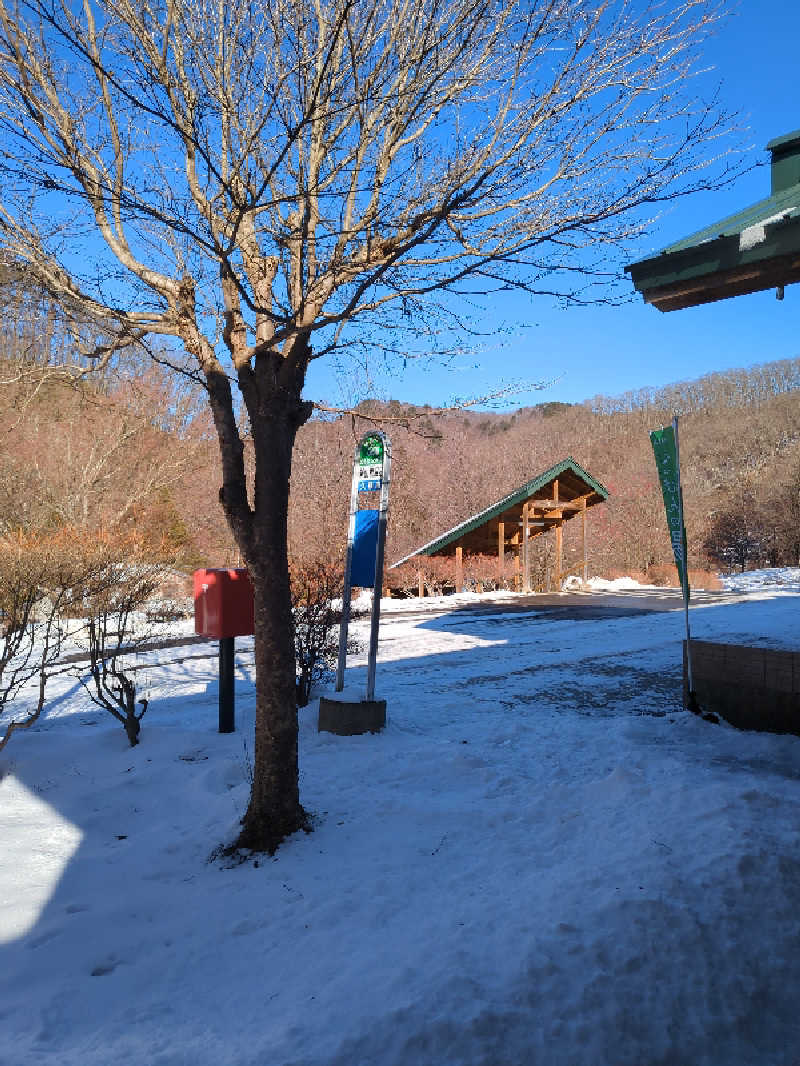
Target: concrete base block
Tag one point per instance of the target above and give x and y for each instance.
(347, 718)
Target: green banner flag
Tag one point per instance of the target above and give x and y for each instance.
(665, 449)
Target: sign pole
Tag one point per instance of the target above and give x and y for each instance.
(378, 587)
(348, 566)
(364, 563)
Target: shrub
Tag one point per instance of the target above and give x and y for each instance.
(123, 576)
(38, 573)
(315, 588)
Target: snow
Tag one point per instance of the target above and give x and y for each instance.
(786, 578)
(541, 859)
(602, 584)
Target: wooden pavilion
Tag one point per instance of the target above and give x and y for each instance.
(757, 248)
(542, 504)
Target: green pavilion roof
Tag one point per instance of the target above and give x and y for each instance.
(575, 484)
(756, 248)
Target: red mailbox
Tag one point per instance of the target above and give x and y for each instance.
(223, 603)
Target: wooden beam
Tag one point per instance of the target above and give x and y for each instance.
(501, 546)
(559, 554)
(550, 505)
(459, 568)
(583, 544)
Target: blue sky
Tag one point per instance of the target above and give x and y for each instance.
(604, 350)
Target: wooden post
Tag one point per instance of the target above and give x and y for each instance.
(526, 569)
(420, 584)
(559, 552)
(459, 568)
(501, 550)
(583, 541)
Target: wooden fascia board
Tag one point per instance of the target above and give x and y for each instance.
(726, 284)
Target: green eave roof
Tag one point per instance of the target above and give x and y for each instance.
(756, 248)
(781, 207)
(518, 496)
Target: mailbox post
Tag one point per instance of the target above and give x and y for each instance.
(223, 608)
(227, 692)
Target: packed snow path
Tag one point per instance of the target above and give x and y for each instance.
(542, 860)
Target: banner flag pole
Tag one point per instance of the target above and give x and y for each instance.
(685, 582)
(667, 455)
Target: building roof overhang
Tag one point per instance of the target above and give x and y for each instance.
(756, 248)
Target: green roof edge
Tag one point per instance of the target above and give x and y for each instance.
(517, 496)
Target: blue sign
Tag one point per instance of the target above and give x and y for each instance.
(362, 568)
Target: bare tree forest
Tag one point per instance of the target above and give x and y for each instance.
(740, 451)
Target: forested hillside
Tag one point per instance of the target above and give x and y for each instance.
(740, 454)
(136, 451)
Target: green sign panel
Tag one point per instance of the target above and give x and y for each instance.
(370, 463)
(666, 454)
(370, 451)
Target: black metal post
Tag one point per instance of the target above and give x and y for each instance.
(227, 704)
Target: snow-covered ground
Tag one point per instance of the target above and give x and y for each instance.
(541, 860)
(784, 577)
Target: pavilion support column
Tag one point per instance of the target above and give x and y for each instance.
(526, 568)
(556, 580)
(583, 542)
(420, 584)
(459, 568)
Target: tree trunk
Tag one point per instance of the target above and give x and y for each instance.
(274, 811)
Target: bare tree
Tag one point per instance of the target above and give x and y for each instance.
(123, 579)
(269, 183)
